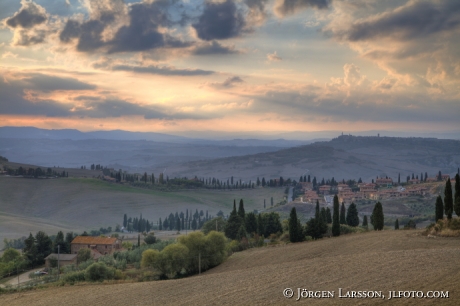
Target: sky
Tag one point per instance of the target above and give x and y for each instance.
(243, 66)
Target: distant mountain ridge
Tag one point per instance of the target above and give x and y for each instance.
(344, 157)
(73, 134)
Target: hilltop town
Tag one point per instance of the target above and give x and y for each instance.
(380, 189)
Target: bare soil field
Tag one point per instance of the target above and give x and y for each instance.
(378, 261)
(77, 204)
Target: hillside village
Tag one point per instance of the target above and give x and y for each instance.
(380, 189)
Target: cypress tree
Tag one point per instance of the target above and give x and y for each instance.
(324, 215)
(335, 218)
(251, 223)
(320, 221)
(365, 222)
(457, 195)
(439, 209)
(328, 216)
(160, 225)
(343, 219)
(448, 201)
(241, 212)
(397, 224)
(293, 229)
(125, 221)
(352, 215)
(241, 233)
(377, 217)
(260, 225)
(233, 224)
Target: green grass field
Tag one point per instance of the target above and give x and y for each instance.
(77, 204)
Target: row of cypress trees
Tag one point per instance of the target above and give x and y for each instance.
(451, 204)
(316, 227)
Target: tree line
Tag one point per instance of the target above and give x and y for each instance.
(451, 202)
(318, 226)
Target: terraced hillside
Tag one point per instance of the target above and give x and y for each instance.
(378, 261)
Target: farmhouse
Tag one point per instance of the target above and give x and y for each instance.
(64, 260)
(103, 245)
(388, 182)
(325, 189)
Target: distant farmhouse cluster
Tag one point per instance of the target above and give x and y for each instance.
(98, 246)
(382, 188)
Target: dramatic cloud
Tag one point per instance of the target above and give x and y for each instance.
(28, 24)
(29, 15)
(142, 32)
(219, 21)
(47, 83)
(228, 83)
(414, 20)
(161, 70)
(213, 47)
(257, 14)
(284, 8)
(18, 100)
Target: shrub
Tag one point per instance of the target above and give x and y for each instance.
(73, 277)
(454, 224)
(85, 264)
(173, 259)
(150, 239)
(149, 258)
(98, 272)
(410, 225)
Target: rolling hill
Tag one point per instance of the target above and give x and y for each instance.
(377, 261)
(77, 204)
(344, 157)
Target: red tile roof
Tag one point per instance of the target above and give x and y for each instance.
(94, 240)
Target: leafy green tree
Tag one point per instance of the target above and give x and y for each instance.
(10, 255)
(59, 240)
(439, 209)
(457, 195)
(295, 233)
(448, 201)
(150, 258)
(174, 258)
(210, 225)
(150, 238)
(210, 248)
(241, 233)
(328, 215)
(251, 223)
(272, 224)
(397, 224)
(83, 255)
(98, 272)
(44, 246)
(352, 215)
(343, 219)
(335, 218)
(377, 218)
